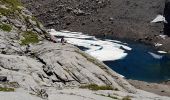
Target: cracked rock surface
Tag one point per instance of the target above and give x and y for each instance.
(45, 70)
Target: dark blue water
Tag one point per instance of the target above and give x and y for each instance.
(140, 65)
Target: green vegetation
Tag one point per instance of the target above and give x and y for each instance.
(11, 3)
(95, 87)
(36, 20)
(5, 11)
(5, 27)
(127, 98)
(29, 37)
(11, 6)
(5, 89)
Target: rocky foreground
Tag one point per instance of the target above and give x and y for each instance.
(34, 68)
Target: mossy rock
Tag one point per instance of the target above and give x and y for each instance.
(11, 3)
(29, 38)
(127, 98)
(95, 87)
(5, 12)
(6, 89)
(12, 6)
(6, 27)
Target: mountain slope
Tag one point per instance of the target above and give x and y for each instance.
(125, 19)
(34, 68)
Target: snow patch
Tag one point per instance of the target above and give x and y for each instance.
(104, 50)
(163, 36)
(158, 44)
(156, 56)
(163, 52)
(159, 18)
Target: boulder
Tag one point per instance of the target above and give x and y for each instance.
(3, 79)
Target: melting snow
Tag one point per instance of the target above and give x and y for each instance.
(103, 50)
(156, 56)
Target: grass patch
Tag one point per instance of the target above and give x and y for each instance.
(127, 98)
(95, 87)
(11, 3)
(12, 6)
(5, 27)
(35, 19)
(29, 37)
(5, 89)
(5, 12)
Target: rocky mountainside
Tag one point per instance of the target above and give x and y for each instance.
(127, 19)
(34, 68)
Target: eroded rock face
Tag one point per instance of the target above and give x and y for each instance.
(110, 18)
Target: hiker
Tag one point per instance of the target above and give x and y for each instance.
(62, 40)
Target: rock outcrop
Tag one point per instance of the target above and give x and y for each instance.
(55, 65)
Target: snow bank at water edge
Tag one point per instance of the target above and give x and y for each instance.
(156, 56)
(104, 50)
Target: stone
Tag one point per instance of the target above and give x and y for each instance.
(38, 30)
(65, 65)
(34, 23)
(23, 28)
(26, 12)
(3, 79)
(16, 23)
(78, 12)
(3, 19)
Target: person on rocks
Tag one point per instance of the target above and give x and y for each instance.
(62, 41)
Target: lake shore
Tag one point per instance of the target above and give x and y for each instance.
(117, 54)
(162, 89)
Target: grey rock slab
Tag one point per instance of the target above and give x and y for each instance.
(69, 66)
